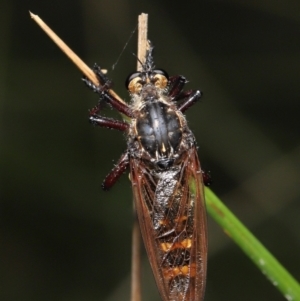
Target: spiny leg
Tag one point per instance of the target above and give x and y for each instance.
(106, 122)
(103, 91)
(207, 180)
(175, 92)
(103, 79)
(191, 97)
(109, 123)
(176, 85)
(105, 82)
(116, 172)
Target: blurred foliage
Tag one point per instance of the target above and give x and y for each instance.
(62, 238)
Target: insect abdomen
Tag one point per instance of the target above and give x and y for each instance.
(173, 222)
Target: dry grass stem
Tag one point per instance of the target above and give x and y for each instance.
(142, 39)
(85, 69)
(136, 236)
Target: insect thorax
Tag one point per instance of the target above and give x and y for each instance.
(159, 133)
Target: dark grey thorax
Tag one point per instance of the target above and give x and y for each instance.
(159, 132)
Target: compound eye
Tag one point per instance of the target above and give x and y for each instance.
(161, 78)
(134, 82)
(162, 72)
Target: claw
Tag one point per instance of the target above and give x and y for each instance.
(103, 79)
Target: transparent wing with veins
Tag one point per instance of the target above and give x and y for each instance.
(171, 212)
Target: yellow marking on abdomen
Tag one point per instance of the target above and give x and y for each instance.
(184, 270)
(184, 244)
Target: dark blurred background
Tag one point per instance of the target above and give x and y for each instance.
(62, 238)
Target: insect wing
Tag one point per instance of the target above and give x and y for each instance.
(171, 212)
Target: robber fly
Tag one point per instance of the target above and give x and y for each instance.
(165, 173)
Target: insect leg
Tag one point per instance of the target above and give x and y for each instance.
(118, 105)
(191, 97)
(176, 85)
(207, 180)
(105, 94)
(103, 79)
(116, 172)
(109, 123)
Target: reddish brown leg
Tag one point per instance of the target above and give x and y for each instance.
(106, 122)
(175, 92)
(103, 91)
(116, 104)
(206, 177)
(116, 172)
(190, 98)
(109, 123)
(176, 85)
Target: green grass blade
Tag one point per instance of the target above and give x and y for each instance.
(263, 259)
